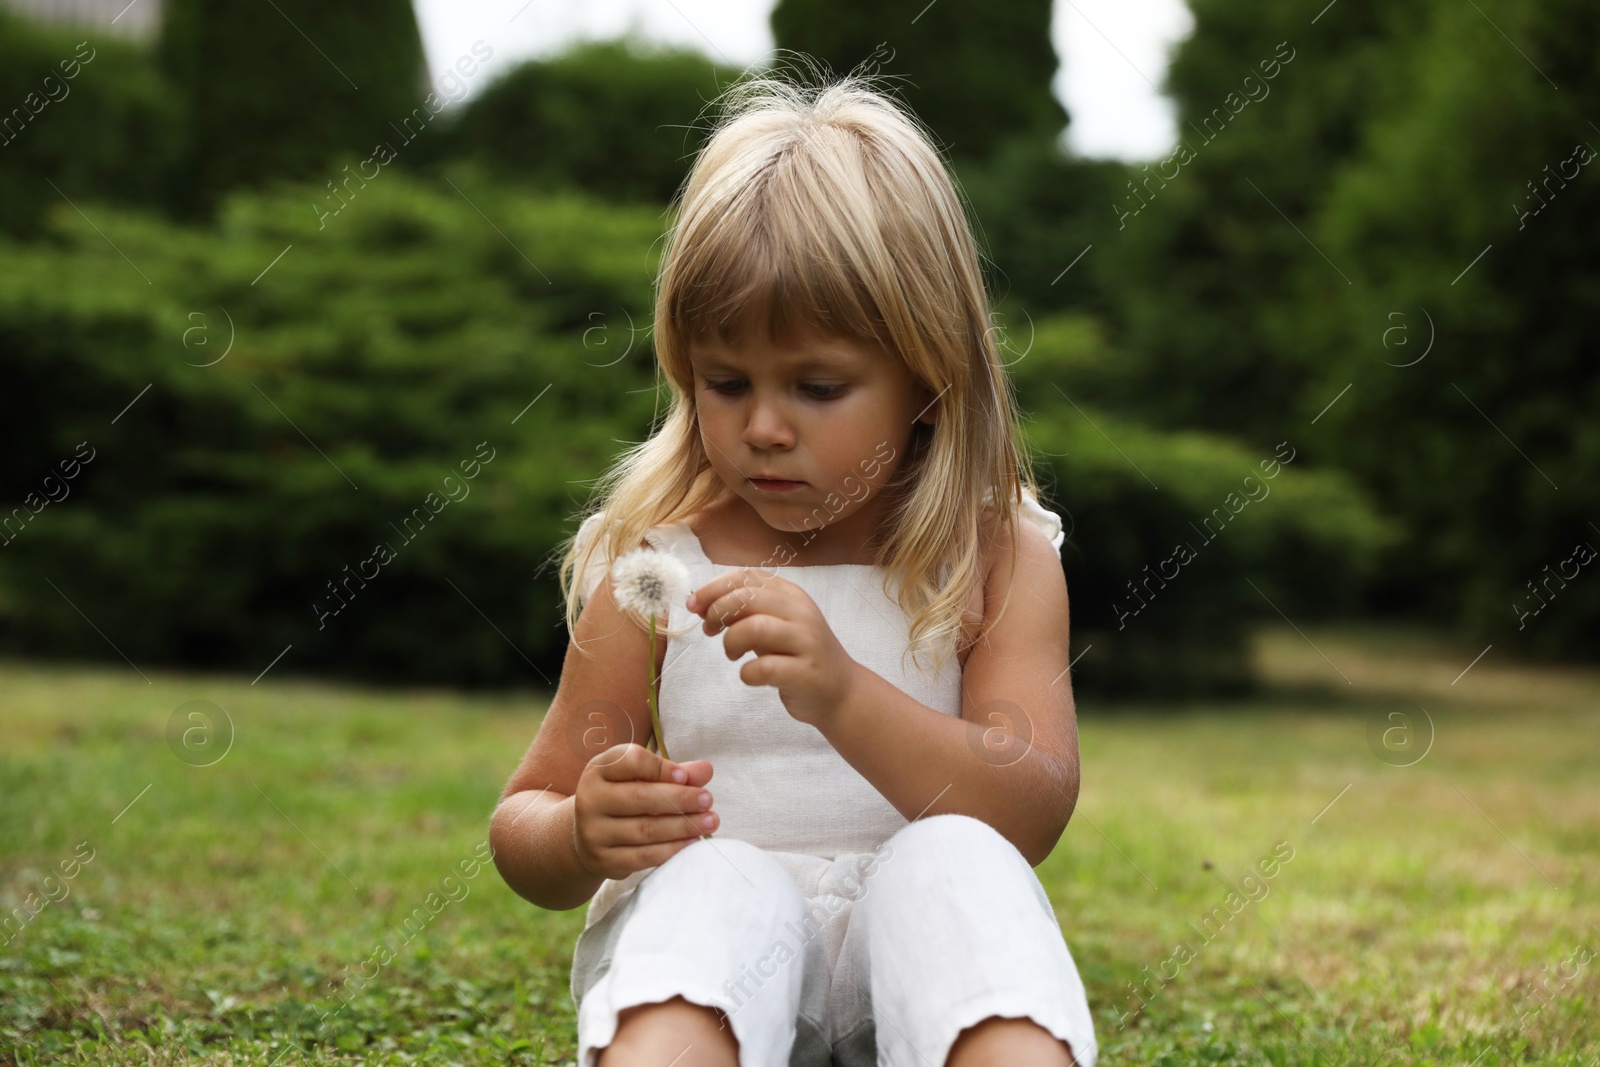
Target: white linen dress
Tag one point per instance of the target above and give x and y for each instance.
(829, 928)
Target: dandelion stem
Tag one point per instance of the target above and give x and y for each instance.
(655, 719)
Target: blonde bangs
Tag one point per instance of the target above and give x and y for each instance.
(778, 254)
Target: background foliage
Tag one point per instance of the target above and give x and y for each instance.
(1330, 266)
(283, 109)
(978, 76)
(388, 347)
(88, 118)
(620, 119)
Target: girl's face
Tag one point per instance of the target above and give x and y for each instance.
(832, 413)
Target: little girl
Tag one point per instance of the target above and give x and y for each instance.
(841, 475)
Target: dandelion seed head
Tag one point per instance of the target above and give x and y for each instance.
(646, 581)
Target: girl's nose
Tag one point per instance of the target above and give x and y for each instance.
(766, 428)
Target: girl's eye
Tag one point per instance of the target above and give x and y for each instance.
(818, 392)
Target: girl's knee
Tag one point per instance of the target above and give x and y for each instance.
(658, 1031)
(940, 834)
(729, 865)
(717, 854)
(947, 850)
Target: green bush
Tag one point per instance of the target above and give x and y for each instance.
(1179, 543)
(220, 429)
(1211, 240)
(408, 336)
(1040, 211)
(977, 75)
(613, 118)
(1467, 230)
(278, 90)
(85, 117)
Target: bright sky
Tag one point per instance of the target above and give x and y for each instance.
(1113, 52)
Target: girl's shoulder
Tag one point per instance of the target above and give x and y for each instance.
(1031, 512)
(993, 547)
(596, 566)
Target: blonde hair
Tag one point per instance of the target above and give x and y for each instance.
(827, 208)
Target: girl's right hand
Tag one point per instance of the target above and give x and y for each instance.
(630, 812)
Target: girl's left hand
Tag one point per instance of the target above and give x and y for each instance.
(796, 650)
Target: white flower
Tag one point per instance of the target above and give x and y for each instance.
(646, 581)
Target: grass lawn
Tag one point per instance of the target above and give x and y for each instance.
(1446, 911)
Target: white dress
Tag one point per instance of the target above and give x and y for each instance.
(804, 843)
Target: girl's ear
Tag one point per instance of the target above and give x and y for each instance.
(930, 410)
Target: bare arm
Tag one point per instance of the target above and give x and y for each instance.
(1015, 683)
(531, 834)
(601, 702)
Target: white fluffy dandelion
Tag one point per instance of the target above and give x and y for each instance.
(645, 582)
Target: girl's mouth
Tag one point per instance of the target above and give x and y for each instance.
(775, 486)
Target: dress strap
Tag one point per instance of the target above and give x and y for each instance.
(1046, 520)
(1036, 514)
(677, 538)
(673, 537)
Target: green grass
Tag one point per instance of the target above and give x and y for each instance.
(1414, 923)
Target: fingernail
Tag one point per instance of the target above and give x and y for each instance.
(705, 800)
(708, 821)
(693, 602)
(680, 776)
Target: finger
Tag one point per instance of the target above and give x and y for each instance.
(724, 584)
(742, 602)
(632, 761)
(699, 599)
(691, 774)
(645, 798)
(659, 829)
(637, 859)
(699, 772)
(766, 634)
(776, 671)
(636, 831)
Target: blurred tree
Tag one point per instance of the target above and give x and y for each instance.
(1311, 239)
(977, 75)
(1465, 339)
(1167, 531)
(88, 118)
(277, 90)
(1038, 211)
(614, 118)
(1270, 107)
